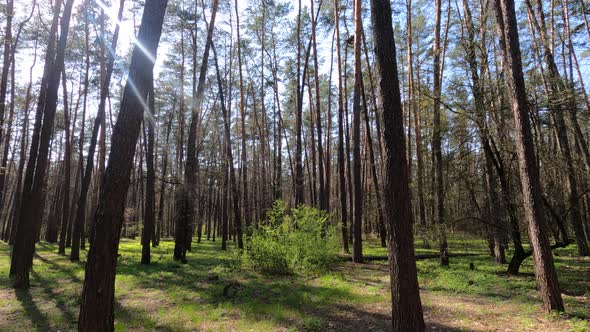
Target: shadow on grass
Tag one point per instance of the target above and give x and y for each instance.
(57, 298)
(68, 270)
(292, 302)
(128, 316)
(39, 320)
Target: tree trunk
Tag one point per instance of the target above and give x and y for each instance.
(436, 140)
(357, 245)
(373, 165)
(406, 305)
(529, 173)
(7, 57)
(191, 168)
(32, 200)
(78, 226)
(232, 169)
(96, 309)
(67, 158)
(244, 159)
(161, 206)
(299, 199)
(557, 88)
(150, 197)
(322, 195)
(341, 163)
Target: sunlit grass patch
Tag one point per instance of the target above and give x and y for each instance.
(169, 296)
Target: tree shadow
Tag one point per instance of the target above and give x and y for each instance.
(131, 316)
(58, 299)
(31, 310)
(59, 267)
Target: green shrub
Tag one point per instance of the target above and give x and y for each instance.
(299, 240)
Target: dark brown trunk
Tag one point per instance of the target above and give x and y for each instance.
(32, 200)
(97, 303)
(436, 139)
(406, 305)
(357, 245)
(341, 163)
(529, 172)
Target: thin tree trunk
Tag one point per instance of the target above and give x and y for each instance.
(78, 226)
(9, 10)
(436, 139)
(244, 169)
(323, 203)
(8, 55)
(373, 165)
(150, 198)
(341, 163)
(67, 157)
(357, 246)
(161, 206)
(232, 171)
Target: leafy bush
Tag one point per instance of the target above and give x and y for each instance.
(299, 240)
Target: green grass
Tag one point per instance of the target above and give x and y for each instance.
(168, 296)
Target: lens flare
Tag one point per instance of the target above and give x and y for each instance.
(109, 12)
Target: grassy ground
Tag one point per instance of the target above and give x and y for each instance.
(168, 296)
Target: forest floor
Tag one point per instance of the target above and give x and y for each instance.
(167, 296)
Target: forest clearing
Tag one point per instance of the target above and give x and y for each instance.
(168, 296)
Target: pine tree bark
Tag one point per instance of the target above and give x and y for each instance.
(529, 173)
(406, 305)
(357, 245)
(32, 199)
(97, 303)
(67, 228)
(9, 220)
